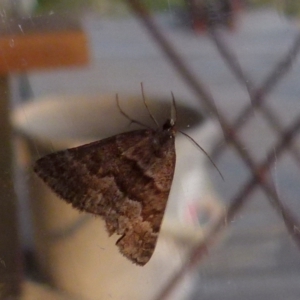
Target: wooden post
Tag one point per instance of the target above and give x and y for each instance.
(10, 253)
(37, 43)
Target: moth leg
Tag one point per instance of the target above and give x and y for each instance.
(146, 105)
(128, 117)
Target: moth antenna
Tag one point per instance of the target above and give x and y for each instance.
(127, 117)
(202, 151)
(173, 109)
(146, 105)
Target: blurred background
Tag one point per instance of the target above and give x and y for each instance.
(233, 68)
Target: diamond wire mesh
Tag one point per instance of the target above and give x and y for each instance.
(259, 171)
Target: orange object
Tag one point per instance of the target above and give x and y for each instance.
(41, 43)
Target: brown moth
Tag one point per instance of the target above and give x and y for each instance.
(125, 179)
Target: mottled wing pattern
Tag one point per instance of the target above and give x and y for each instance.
(121, 179)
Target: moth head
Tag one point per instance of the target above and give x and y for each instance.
(169, 126)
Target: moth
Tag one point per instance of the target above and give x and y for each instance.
(125, 179)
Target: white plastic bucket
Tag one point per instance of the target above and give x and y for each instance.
(73, 249)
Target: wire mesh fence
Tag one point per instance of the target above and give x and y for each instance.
(260, 171)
